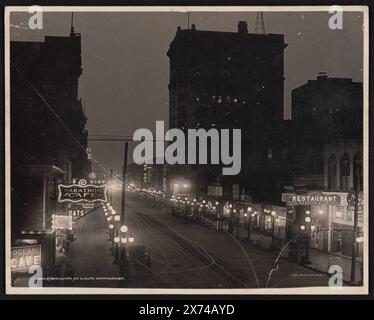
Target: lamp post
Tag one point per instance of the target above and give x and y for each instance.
(121, 247)
(116, 240)
(307, 229)
(273, 213)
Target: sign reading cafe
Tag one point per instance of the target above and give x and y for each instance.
(82, 192)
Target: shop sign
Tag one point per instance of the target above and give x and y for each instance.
(214, 191)
(76, 211)
(82, 192)
(352, 196)
(62, 222)
(24, 257)
(88, 205)
(313, 199)
(352, 208)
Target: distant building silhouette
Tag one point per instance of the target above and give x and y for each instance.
(325, 111)
(333, 107)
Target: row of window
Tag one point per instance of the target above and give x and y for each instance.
(344, 171)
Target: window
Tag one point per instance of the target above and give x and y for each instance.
(331, 172)
(357, 171)
(344, 172)
(270, 153)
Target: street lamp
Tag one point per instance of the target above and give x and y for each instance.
(131, 239)
(273, 213)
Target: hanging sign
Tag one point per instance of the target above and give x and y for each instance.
(82, 192)
(62, 222)
(312, 199)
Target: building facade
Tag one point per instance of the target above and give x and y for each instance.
(227, 80)
(48, 136)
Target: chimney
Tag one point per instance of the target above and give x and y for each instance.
(242, 27)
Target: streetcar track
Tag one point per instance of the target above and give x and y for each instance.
(179, 252)
(197, 247)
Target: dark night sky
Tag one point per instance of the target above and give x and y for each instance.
(126, 70)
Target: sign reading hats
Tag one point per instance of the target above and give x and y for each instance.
(82, 192)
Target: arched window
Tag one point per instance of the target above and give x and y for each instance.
(357, 171)
(332, 172)
(344, 172)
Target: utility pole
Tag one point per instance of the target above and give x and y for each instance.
(124, 174)
(111, 186)
(122, 248)
(355, 223)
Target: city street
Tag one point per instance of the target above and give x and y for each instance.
(183, 254)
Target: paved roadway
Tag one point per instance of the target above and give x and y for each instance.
(183, 254)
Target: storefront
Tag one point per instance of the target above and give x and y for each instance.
(329, 219)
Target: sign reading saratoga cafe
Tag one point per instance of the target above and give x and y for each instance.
(310, 198)
(82, 192)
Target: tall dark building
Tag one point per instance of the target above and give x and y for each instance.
(48, 70)
(45, 113)
(227, 80)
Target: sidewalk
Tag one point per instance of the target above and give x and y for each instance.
(319, 260)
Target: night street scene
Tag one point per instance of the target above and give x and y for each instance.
(187, 150)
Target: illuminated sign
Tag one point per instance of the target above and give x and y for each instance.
(313, 199)
(24, 257)
(82, 192)
(76, 210)
(62, 222)
(351, 199)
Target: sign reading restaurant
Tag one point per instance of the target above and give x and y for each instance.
(312, 199)
(82, 192)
